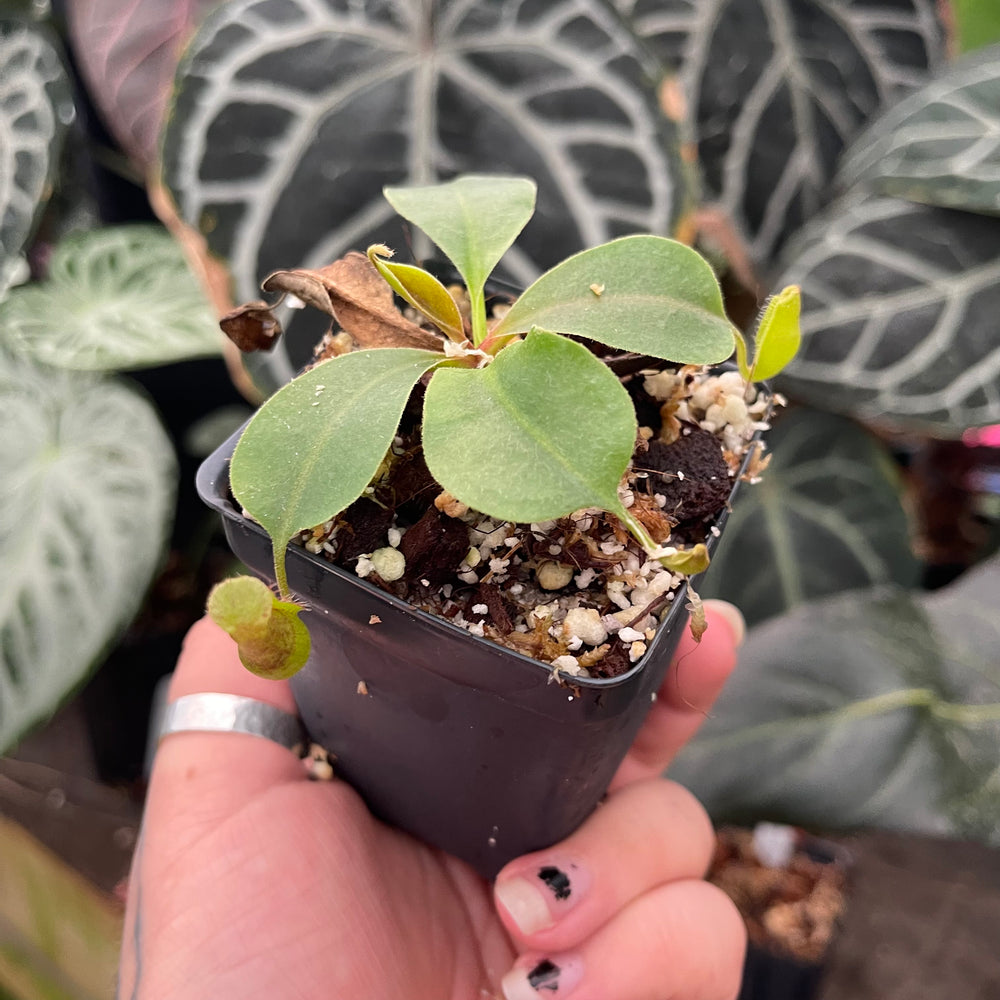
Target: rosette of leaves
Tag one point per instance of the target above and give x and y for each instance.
(271, 152)
(519, 422)
(778, 88)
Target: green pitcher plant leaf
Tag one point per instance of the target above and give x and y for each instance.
(473, 219)
(778, 336)
(557, 425)
(646, 294)
(273, 641)
(314, 446)
(421, 290)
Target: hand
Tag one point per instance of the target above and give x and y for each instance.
(251, 881)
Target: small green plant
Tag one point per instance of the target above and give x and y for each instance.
(520, 422)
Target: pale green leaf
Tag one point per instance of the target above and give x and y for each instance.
(421, 290)
(311, 449)
(978, 23)
(116, 298)
(86, 497)
(542, 431)
(645, 294)
(778, 334)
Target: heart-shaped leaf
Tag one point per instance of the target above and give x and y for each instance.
(827, 516)
(116, 298)
(778, 88)
(314, 446)
(556, 425)
(899, 307)
(892, 719)
(35, 108)
(639, 293)
(272, 153)
(128, 55)
(86, 498)
(940, 146)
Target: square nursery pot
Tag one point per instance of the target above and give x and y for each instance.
(463, 743)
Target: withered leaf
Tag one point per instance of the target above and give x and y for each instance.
(699, 622)
(353, 292)
(252, 327)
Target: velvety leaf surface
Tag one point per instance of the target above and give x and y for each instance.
(35, 108)
(86, 498)
(940, 146)
(542, 431)
(777, 88)
(291, 117)
(867, 709)
(127, 53)
(116, 298)
(825, 517)
(638, 293)
(899, 314)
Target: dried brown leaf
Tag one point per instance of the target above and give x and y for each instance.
(699, 623)
(252, 327)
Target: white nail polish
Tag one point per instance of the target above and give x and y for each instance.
(525, 903)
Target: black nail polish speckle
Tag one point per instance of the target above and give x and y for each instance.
(544, 976)
(557, 880)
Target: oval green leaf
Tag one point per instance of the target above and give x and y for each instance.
(314, 446)
(645, 294)
(86, 499)
(116, 299)
(778, 334)
(421, 290)
(542, 431)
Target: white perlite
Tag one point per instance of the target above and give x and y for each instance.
(584, 624)
(389, 563)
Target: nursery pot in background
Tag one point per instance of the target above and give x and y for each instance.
(467, 745)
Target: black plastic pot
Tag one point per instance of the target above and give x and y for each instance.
(465, 744)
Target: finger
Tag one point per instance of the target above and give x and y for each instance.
(214, 774)
(685, 940)
(647, 834)
(697, 675)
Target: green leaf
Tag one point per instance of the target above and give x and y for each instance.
(86, 498)
(474, 219)
(645, 294)
(891, 720)
(978, 23)
(314, 446)
(116, 298)
(273, 641)
(422, 290)
(544, 430)
(827, 516)
(778, 335)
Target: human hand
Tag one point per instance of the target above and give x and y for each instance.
(251, 881)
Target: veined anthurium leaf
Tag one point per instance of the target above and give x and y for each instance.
(421, 290)
(899, 314)
(273, 641)
(115, 299)
(86, 498)
(941, 145)
(542, 431)
(314, 446)
(778, 88)
(35, 109)
(638, 293)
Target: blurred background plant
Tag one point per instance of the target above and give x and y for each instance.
(157, 160)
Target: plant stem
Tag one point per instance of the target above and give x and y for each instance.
(636, 529)
(477, 303)
(281, 574)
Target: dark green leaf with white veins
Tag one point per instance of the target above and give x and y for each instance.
(940, 146)
(271, 149)
(314, 446)
(891, 718)
(639, 293)
(86, 498)
(35, 108)
(778, 88)
(542, 431)
(825, 517)
(899, 314)
(115, 298)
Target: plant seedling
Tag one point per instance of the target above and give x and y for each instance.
(520, 421)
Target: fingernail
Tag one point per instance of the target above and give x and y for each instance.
(524, 901)
(732, 615)
(550, 977)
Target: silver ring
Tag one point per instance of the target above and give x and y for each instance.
(210, 712)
